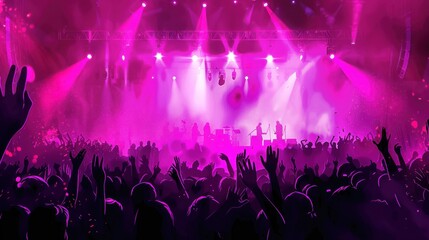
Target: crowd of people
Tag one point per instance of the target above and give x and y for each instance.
(80, 189)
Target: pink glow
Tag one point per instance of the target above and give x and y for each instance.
(89, 56)
(270, 58)
(194, 58)
(204, 5)
(231, 57)
(331, 56)
(265, 4)
(144, 4)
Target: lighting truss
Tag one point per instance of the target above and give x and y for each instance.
(305, 35)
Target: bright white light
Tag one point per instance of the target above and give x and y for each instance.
(246, 77)
(123, 57)
(158, 56)
(144, 4)
(204, 5)
(265, 4)
(174, 2)
(293, 2)
(332, 56)
(89, 56)
(235, 2)
(270, 58)
(174, 78)
(301, 57)
(194, 58)
(353, 43)
(231, 56)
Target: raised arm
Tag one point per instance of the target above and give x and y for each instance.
(248, 177)
(14, 108)
(99, 176)
(156, 171)
(401, 158)
(383, 147)
(134, 173)
(72, 187)
(176, 175)
(271, 166)
(228, 164)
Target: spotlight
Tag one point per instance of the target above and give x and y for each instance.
(194, 58)
(174, 2)
(293, 1)
(301, 57)
(353, 43)
(270, 58)
(158, 56)
(123, 57)
(265, 4)
(246, 77)
(332, 56)
(89, 56)
(174, 78)
(204, 5)
(231, 56)
(235, 2)
(144, 4)
(234, 75)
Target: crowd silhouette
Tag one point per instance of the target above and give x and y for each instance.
(81, 189)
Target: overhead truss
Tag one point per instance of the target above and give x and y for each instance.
(305, 35)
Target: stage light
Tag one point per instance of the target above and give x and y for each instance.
(270, 58)
(301, 57)
(158, 56)
(293, 2)
(144, 4)
(123, 57)
(234, 75)
(174, 2)
(353, 43)
(174, 78)
(204, 5)
(246, 77)
(194, 58)
(235, 2)
(231, 56)
(332, 56)
(265, 4)
(89, 56)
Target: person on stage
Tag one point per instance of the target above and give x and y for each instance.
(279, 131)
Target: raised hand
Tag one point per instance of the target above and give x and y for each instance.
(383, 145)
(177, 165)
(97, 170)
(172, 172)
(272, 160)
(397, 149)
(77, 161)
(235, 198)
(248, 173)
(156, 169)
(14, 108)
(224, 157)
(282, 167)
(421, 178)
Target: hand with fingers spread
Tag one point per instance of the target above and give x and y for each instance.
(97, 170)
(272, 160)
(14, 108)
(248, 173)
(421, 178)
(77, 161)
(383, 147)
(235, 198)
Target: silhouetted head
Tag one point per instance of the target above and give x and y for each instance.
(48, 222)
(142, 192)
(154, 220)
(13, 223)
